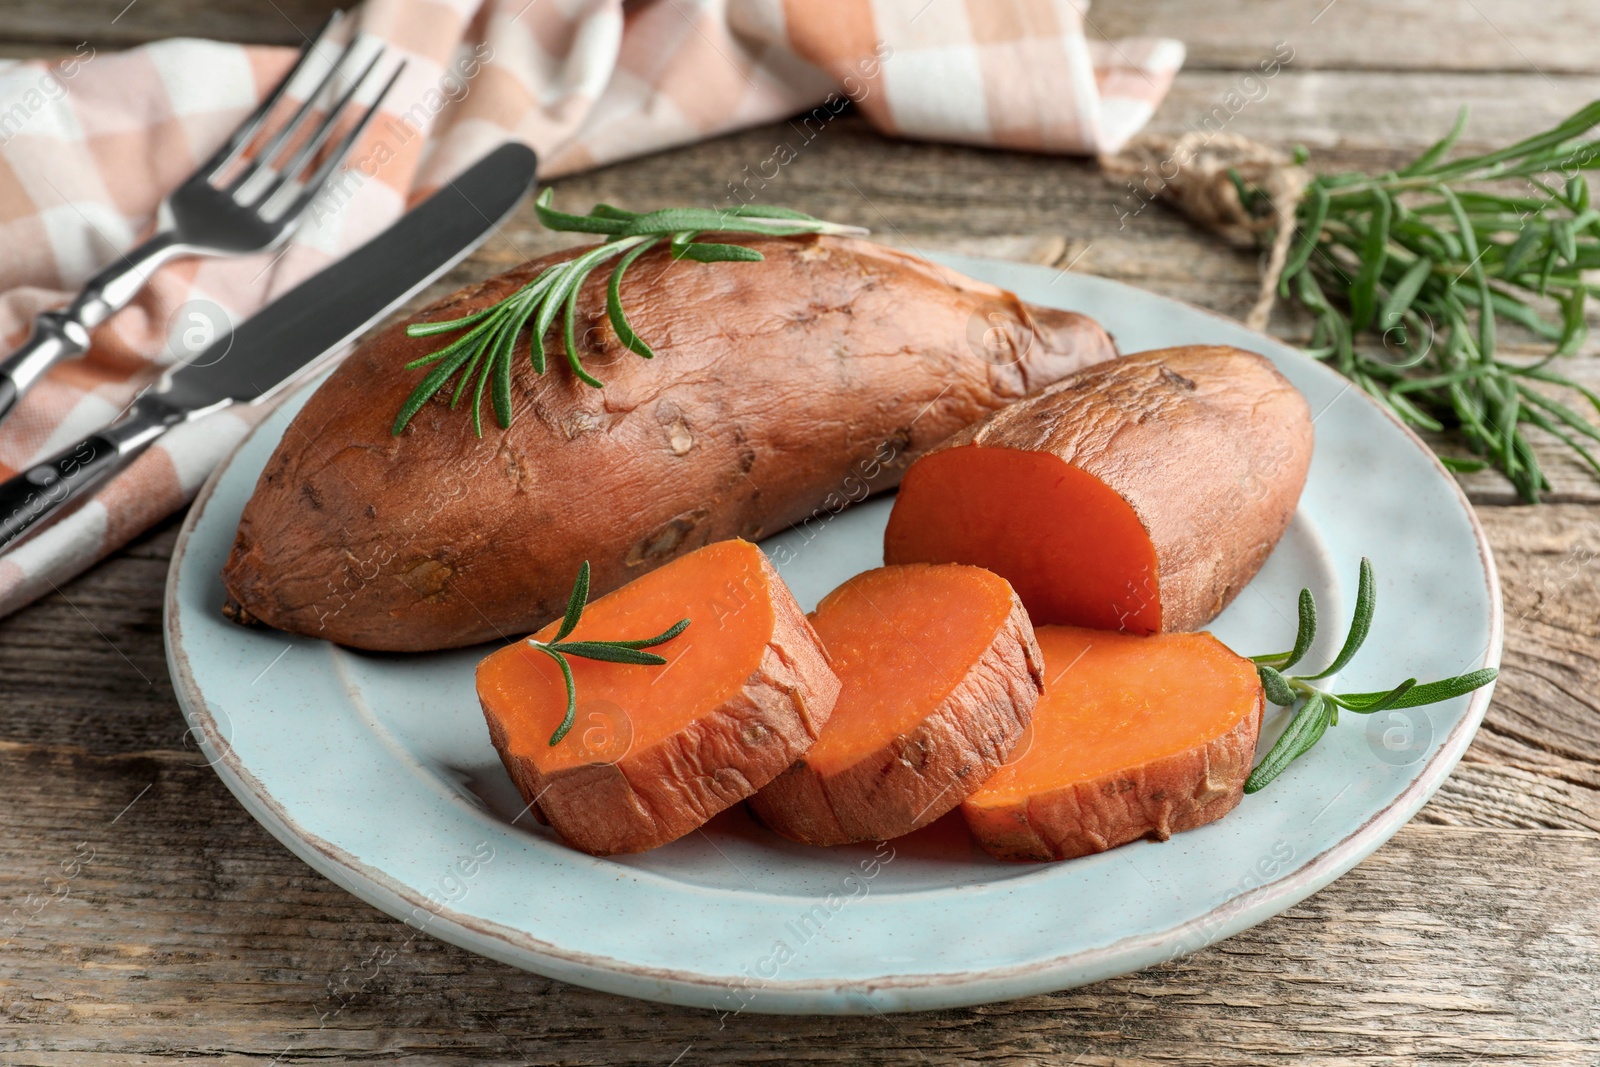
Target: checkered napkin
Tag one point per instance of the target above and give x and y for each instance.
(90, 143)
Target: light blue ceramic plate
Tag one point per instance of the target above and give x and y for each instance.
(377, 770)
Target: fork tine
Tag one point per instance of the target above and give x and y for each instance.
(324, 171)
(229, 152)
(308, 150)
(269, 151)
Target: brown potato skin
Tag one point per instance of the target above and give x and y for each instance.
(925, 773)
(655, 795)
(779, 390)
(1209, 444)
(1164, 797)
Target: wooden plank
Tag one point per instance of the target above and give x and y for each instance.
(1543, 717)
(1462, 35)
(1349, 117)
(1481, 793)
(161, 922)
(40, 25)
(1408, 35)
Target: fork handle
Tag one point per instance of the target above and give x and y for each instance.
(64, 333)
(35, 494)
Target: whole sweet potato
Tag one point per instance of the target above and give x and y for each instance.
(779, 388)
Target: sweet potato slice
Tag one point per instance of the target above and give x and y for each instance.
(657, 751)
(940, 675)
(1138, 495)
(1134, 737)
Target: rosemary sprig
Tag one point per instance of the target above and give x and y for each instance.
(1434, 262)
(559, 648)
(488, 337)
(1318, 708)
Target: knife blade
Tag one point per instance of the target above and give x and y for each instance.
(286, 339)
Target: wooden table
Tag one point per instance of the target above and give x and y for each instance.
(1472, 938)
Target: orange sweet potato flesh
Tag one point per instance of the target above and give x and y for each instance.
(940, 674)
(1134, 737)
(780, 390)
(658, 750)
(1137, 495)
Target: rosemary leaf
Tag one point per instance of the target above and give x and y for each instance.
(1305, 730)
(1374, 257)
(569, 317)
(706, 252)
(619, 320)
(462, 342)
(1305, 634)
(1276, 687)
(1433, 692)
(1312, 230)
(466, 377)
(1306, 631)
(428, 329)
(575, 602)
(572, 693)
(1439, 148)
(1360, 622)
(1370, 702)
(1404, 294)
(502, 390)
(659, 639)
(612, 653)
(430, 385)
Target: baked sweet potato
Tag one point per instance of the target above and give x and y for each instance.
(1136, 495)
(658, 750)
(779, 389)
(940, 674)
(1134, 737)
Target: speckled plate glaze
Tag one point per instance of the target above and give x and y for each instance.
(377, 770)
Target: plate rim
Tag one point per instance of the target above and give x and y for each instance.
(511, 945)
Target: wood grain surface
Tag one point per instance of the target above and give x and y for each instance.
(152, 921)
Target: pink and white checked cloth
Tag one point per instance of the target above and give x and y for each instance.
(89, 145)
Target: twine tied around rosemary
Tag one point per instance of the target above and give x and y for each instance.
(1200, 173)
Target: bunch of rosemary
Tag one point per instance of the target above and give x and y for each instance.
(1434, 257)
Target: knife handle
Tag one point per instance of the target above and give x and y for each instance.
(37, 493)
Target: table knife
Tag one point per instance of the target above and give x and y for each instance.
(286, 339)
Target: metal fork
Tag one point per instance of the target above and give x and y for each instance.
(242, 200)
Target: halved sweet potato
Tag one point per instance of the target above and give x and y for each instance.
(1139, 495)
(1134, 737)
(745, 691)
(940, 675)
